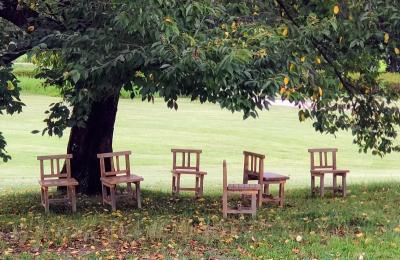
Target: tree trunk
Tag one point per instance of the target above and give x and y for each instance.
(85, 143)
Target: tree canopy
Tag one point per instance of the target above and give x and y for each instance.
(239, 54)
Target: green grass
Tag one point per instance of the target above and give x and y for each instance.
(366, 223)
(36, 87)
(393, 78)
(151, 130)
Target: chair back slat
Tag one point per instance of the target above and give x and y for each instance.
(110, 164)
(55, 170)
(225, 175)
(253, 164)
(323, 158)
(117, 161)
(182, 159)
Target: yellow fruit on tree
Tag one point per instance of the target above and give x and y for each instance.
(397, 51)
(285, 32)
(336, 9)
(234, 26)
(168, 19)
(286, 80)
(10, 85)
(386, 37)
(320, 91)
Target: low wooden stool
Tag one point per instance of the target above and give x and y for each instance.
(187, 167)
(323, 161)
(117, 175)
(241, 189)
(57, 178)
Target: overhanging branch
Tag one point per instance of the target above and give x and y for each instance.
(28, 20)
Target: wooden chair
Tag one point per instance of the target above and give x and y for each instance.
(188, 167)
(57, 178)
(253, 169)
(113, 173)
(241, 189)
(324, 163)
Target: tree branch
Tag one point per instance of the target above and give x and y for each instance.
(28, 20)
(350, 88)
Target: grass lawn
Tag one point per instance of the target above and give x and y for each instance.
(366, 223)
(151, 130)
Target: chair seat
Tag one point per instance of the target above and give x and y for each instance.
(58, 182)
(121, 179)
(322, 171)
(270, 176)
(189, 172)
(243, 187)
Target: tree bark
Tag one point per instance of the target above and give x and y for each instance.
(85, 143)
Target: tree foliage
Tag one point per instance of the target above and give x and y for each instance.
(239, 54)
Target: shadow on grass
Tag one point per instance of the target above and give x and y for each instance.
(364, 222)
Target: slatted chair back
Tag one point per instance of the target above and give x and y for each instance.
(253, 165)
(115, 164)
(323, 158)
(56, 166)
(186, 159)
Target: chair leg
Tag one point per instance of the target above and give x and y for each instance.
(173, 185)
(225, 204)
(69, 194)
(281, 194)
(344, 188)
(129, 189)
(322, 186)
(312, 185)
(73, 198)
(334, 184)
(138, 195)
(260, 195)
(266, 189)
(104, 193)
(201, 185)
(178, 184)
(197, 187)
(113, 198)
(42, 196)
(46, 200)
(254, 204)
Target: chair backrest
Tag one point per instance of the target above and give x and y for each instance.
(189, 159)
(323, 158)
(56, 168)
(111, 166)
(253, 164)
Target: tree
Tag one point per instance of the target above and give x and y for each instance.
(235, 53)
